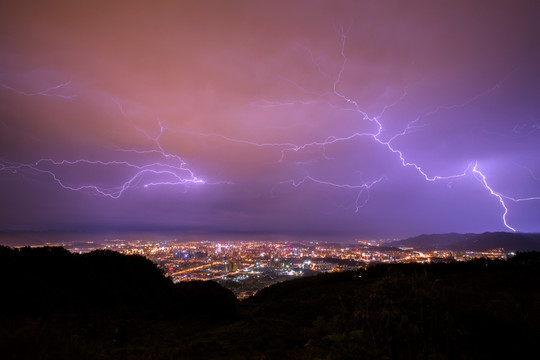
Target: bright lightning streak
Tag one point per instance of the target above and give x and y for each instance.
(364, 116)
(173, 170)
(153, 169)
(376, 136)
(482, 178)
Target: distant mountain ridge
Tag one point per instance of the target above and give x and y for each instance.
(473, 242)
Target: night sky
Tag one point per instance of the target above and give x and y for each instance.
(301, 118)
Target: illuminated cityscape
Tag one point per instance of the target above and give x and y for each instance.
(248, 266)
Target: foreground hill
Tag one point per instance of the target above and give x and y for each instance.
(474, 242)
(52, 279)
(104, 305)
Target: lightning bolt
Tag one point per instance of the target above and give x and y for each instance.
(501, 197)
(410, 126)
(361, 187)
(482, 178)
(376, 135)
(47, 92)
(178, 175)
(173, 170)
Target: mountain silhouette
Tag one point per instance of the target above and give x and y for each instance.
(475, 242)
(105, 305)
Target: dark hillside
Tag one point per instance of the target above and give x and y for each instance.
(56, 304)
(111, 306)
(474, 310)
(52, 277)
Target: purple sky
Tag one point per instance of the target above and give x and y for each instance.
(339, 118)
